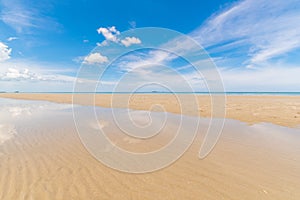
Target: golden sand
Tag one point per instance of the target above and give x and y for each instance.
(45, 159)
(280, 110)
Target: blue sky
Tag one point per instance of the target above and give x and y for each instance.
(254, 43)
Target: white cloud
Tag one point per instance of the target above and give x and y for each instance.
(16, 74)
(5, 52)
(31, 76)
(12, 38)
(95, 58)
(85, 41)
(109, 33)
(264, 28)
(254, 31)
(130, 40)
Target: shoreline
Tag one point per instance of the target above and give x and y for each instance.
(280, 110)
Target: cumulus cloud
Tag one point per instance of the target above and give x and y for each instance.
(15, 74)
(5, 52)
(30, 76)
(130, 40)
(109, 33)
(95, 58)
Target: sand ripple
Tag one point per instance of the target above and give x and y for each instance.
(43, 158)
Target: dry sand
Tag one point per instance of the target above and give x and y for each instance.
(280, 110)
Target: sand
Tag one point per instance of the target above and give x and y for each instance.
(280, 110)
(44, 159)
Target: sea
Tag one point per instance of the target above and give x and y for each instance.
(199, 93)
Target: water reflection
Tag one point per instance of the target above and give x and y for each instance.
(7, 131)
(20, 112)
(23, 113)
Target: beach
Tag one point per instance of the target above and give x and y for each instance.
(280, 110)
(149, 100)
(42, 157)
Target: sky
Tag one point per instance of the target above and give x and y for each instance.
(254, 44)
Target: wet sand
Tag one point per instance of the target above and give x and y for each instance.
(280, 110)
(42, 158)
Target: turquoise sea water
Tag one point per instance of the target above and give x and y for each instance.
(200, 93)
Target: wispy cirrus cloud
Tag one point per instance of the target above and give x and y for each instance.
(139, 59)
(12, 39)
(254, 32)
(23, 17)
(151, 66)
(261, 29)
